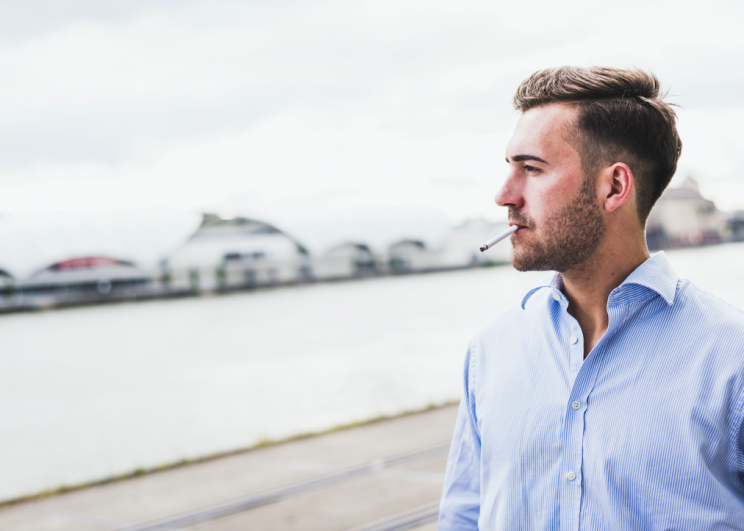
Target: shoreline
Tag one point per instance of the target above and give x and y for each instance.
(50, 303)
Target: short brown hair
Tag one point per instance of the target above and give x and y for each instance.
(622, 117)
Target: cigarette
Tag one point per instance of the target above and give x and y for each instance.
(493, 241)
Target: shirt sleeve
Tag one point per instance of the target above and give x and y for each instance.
(460, 505)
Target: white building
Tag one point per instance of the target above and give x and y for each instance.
(48, 259)
(260, 248)
(228, 252)
(683, 217)
(31, 244)
(64, 258)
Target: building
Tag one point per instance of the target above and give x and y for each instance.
(72, 258)
(61, 258)
(233, 251)
(258, 248)
(682, 217)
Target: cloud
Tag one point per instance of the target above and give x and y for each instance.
(183, 104)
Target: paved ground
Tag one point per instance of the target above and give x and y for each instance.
(383, 476)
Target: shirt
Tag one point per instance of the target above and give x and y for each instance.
(644, 434)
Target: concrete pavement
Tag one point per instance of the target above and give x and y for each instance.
(369, 478)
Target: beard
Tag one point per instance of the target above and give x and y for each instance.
(572, 235)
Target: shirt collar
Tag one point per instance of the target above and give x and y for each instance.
(553, 280)
(656, 274)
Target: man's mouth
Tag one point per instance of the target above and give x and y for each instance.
(511, 224)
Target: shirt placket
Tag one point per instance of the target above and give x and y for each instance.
(569, 482)
(582, 375)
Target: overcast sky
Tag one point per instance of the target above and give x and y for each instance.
(219, 105)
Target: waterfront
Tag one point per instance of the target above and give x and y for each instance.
(92, 392)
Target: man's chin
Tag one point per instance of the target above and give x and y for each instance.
(528, 262)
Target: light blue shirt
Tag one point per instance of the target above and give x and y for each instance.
(644, 434)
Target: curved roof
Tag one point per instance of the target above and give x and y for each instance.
(320, 230)
(33, 242)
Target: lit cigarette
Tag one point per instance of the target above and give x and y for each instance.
(493, 241)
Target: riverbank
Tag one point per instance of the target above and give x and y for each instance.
(383, 475)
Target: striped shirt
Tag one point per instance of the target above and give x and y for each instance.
(645, 433)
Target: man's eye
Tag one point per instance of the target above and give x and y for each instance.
(531, 169)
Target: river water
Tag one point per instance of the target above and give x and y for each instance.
(91, 392)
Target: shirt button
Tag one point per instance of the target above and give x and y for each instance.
(556, 296)
(576, 404)
(573, 340)
(571, 476)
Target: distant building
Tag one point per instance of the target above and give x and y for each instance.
(236, 251)
(86, 277)
(682, 217)
(347, 243)
(49, 244)
(68, 258)
(62, 259)
(229, 251)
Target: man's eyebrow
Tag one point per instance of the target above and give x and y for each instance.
(520, 158)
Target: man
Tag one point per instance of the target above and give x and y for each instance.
(612, 396)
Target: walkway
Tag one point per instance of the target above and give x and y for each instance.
(380, 477)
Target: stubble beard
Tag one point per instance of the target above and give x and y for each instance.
(571, 235)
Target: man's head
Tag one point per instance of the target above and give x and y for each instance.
(590, 142)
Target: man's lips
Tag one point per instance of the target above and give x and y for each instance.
(511, 224)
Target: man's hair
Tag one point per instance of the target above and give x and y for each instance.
(622, 117)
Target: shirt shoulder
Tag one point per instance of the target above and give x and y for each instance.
(706, 334)
(707, 312)
(505, 320)
(513, 324)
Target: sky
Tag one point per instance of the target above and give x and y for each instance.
(225, 105)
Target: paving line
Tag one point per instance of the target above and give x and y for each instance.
(399, 522)
(256, 500)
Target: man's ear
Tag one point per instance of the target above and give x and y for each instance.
(617, 186)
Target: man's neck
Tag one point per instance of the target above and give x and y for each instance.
(588, 285)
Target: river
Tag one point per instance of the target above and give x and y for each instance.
(91, 392)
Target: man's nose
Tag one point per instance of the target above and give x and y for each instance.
(510, 194)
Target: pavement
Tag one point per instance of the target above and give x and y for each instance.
(385, 476)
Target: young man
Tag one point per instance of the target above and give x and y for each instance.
(612, 396)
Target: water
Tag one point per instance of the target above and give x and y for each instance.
(92, 392)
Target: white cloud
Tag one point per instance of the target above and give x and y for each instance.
(183, 105)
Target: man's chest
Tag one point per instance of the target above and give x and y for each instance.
(606, 431)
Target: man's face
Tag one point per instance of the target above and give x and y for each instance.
(547, 194)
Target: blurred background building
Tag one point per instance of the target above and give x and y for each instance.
(682, 217)
(68, 259)
(72, 258)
